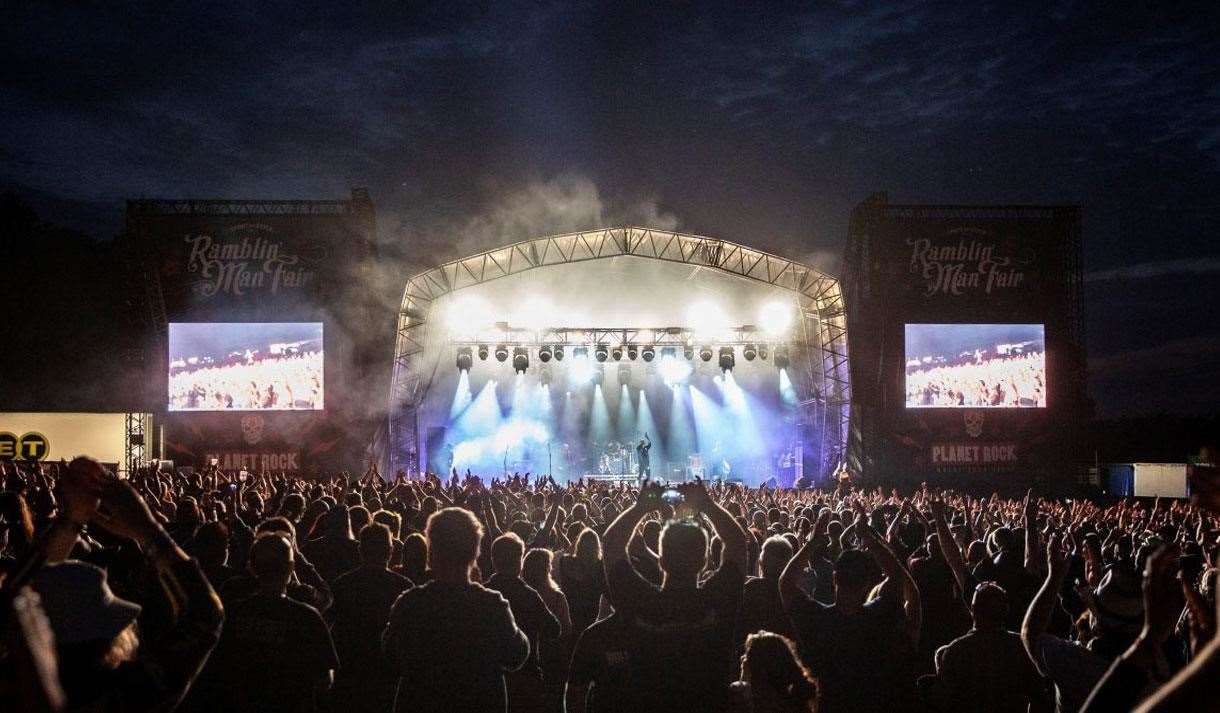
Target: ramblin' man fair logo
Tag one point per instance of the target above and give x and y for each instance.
(967, 264)
(243, 261)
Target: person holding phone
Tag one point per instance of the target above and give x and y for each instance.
(682, 634)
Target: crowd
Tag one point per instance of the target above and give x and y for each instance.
(991, 381)
(203, 592)
(290, 381)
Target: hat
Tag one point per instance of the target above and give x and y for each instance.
(79, 604)
(1120, 603)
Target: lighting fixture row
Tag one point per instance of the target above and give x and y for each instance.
(601, 353)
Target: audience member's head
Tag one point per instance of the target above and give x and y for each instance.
(683, 550)
(506, 553)
(271, 562)
(453, 536)
(376, 545)
(776, 551)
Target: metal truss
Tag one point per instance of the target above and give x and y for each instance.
(136, 440)
(615, 336)
(823, 329)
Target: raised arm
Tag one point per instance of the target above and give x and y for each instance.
(896, 571)
(1038, 616)
(789, 591)
(614, 542)
(948, 545)
(726, 526)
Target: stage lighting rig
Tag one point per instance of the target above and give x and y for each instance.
(781, 358)
(633, 352)
(648, 353)
(501, 353)
(617, 353)
(705, 353)
(521, 360)
(482, 352)
(762, 351)
(544, 354)
(727, 360)
(559, 353)
(750, 352)
(600, 353)
(688, 352)
(464, 359)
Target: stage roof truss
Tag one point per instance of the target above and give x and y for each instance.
(819, 297)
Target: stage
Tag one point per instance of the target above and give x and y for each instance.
(563, 355)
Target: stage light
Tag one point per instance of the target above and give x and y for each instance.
(648, 353)
(633, 352)
(521, 360)
(482, 352)
(617, 353)
(775, 317)
(558, 353)
(727, 360)
(464, 359)
(781, 358)
(705, 353)
(600, 353)
(750, 352)
(688, 352)
(762, 351)
(501, 353)
(544, 354)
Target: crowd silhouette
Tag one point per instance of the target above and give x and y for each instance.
(212, 592)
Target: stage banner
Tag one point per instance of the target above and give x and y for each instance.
(265, 329)
(964, 335)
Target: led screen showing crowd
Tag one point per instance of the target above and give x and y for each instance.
(249, 366)
(975, 366)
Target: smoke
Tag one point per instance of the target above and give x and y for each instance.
(413, 240)
(828, 262)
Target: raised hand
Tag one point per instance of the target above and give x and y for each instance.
(124, 513)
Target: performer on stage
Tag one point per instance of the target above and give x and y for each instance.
(641, 453)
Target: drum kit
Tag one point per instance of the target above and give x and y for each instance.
(616, 458)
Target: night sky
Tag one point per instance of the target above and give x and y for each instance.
(764, 126)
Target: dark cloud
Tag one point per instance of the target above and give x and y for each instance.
(749, 121)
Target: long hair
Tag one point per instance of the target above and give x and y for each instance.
(771, 660)
(536, 570)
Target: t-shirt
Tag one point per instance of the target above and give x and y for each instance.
(863, 662)
(272, 652)
(363, 598)
(602, 660)
(452, 644)
(530, 613)
(987, 670)
(1074, 669)
(682, 642)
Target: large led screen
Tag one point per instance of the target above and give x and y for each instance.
(975, 366)
(247, 366)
